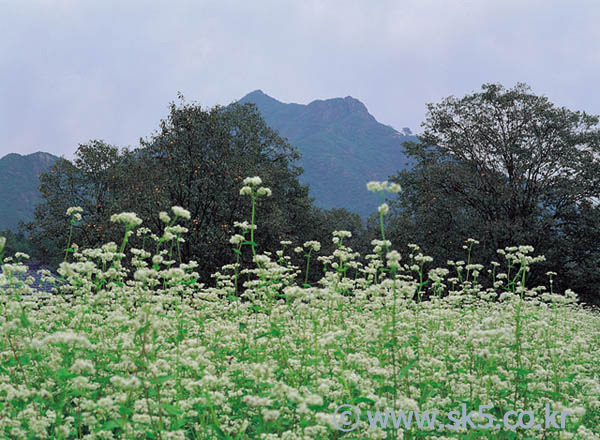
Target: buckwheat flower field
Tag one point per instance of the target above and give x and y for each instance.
(151, 353)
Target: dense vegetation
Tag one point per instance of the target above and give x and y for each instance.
(159, 355)
(508, 167)
(15, 242)
(197, 159)
(505, 166)
(197, 323)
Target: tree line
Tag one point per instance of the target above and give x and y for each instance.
(503, 166)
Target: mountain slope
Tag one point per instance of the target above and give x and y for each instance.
(19, 181)
(342, 146)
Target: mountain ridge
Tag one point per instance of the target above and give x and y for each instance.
(19, 182)
(342, 145)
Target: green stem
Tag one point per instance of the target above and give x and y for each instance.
(307, 266)
(69, 241)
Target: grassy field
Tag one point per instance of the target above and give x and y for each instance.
(155, 354)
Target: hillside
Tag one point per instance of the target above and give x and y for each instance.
(342, 146)
(19, 181)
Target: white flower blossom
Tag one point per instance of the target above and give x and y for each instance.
(129, 218)
(254, 181)
(164, 217)
(180, 212)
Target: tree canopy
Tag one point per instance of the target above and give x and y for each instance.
(196, 160)
(508, 168)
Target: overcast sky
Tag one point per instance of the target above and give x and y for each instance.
(71, 71)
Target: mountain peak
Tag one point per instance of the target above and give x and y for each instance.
(257, 96)
(339, 108)
(355, 104)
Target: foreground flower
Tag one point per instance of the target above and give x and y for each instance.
(254, 181)
(262, 191)
(129, 218)
(73, 210)
(180, 212)
(374, 186)
(164, 217)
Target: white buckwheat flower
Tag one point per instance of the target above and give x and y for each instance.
(129, 218)
(254, 181)
(315, 245)
(236, 239)
(180, 212)
(394, 188)
(384, 208)
(73, 209)
(264, 191)
(81, 366)
(164, 217)
(143, 231)
(374, 186)
(246, 191)
(393, 257)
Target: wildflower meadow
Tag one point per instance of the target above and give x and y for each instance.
(146, 351)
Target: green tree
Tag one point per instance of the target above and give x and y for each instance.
(506, 167)
(14, 242)
(196, 160)
(87, 182)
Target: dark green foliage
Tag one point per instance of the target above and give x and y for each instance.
(87, 182)
(19, 181)
(15, 242)
(323, 224)
(342, 146)
(197, 160)
(508, 168)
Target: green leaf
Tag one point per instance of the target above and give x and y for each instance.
(358, 400)
(125, 410)
(142, 330)
(386, 389)
(171, 409)
(569, 378)
(24, 321)
(162, 379)
(109, 425)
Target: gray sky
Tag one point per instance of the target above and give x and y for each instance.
(71, 71)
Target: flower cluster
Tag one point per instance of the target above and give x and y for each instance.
(253, 182)
(159, 355)
(130, 219)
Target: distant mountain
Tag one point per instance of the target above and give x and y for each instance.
(342, 146)
(19, 182)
